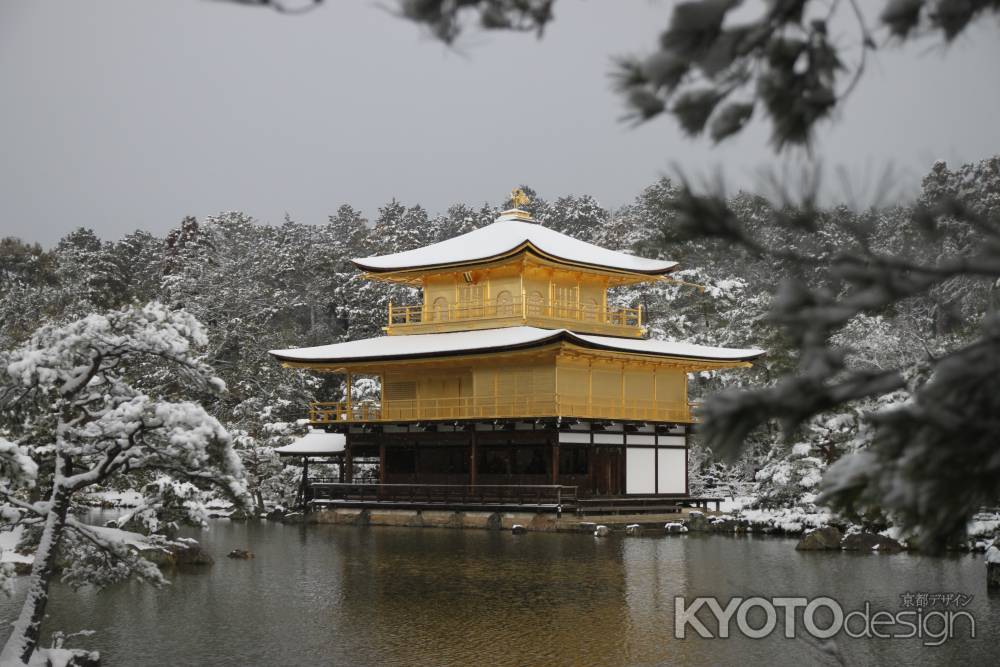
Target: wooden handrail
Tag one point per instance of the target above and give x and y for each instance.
(494, 406)
(555, 309)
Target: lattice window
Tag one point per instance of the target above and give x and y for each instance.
(470, 299)
(565, 301)
(401, 390)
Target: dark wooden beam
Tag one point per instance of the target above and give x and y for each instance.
(472, 459)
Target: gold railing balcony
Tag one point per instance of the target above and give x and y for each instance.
(492, 407)
(463, 316)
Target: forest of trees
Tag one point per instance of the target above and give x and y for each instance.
(257, 287)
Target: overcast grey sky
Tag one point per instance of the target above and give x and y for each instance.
(125, 114)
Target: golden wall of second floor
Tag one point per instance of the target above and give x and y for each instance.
(512, 295)
(557, 386)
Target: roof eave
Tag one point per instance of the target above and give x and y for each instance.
(557, 336)
(527, 246)
(423, 355)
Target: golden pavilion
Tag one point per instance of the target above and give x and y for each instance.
(512, 381)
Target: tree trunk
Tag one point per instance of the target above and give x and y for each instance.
(24, 639)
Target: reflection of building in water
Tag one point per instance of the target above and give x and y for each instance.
(473, 597)
(655, 571)
(514, 373)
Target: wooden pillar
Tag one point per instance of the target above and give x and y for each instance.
(551, 310)
(555, 459)
(340, 469)
(348, 461)
(381, 396)
(524, 293)
(472, 458)
(604, 301)
(590, 387)
(350, 415)
(381, 463)
(305, 480)
(623, 390)
(656, 406)
(592, 460)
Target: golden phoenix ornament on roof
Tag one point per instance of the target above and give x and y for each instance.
(519, 198)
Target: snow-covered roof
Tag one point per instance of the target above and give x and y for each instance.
(509, 338)
(509, 235)
(314, 443)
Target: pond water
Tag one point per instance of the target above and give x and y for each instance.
(341, 595)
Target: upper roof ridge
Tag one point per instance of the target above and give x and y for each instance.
(517, 214)
(514, 231)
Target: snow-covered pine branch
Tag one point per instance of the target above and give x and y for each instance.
(931, 460)
(86, 412)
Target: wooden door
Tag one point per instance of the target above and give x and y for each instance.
(607, 471)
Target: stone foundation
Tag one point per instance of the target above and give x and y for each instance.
(434, 519)
(482, 520)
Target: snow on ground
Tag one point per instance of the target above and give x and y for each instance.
(731, 505)
(983, 525)
(8, 542)
(788, 519)
(219, 504)
(114, 498)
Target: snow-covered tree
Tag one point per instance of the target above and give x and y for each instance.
(461, 219)
(257, 431)
(580, 217)
(930, 462)
(105, 397)
(398, 228)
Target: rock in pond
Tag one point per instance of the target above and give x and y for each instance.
(675, 527)
(633, 530)
(240, 514)
(821, 539)
(871, 542)
(518, 529)
(602, 531)
(727, 524)
(697, 521)
(66, 657)
(182, 552)
(240, 554)
(993, 568)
